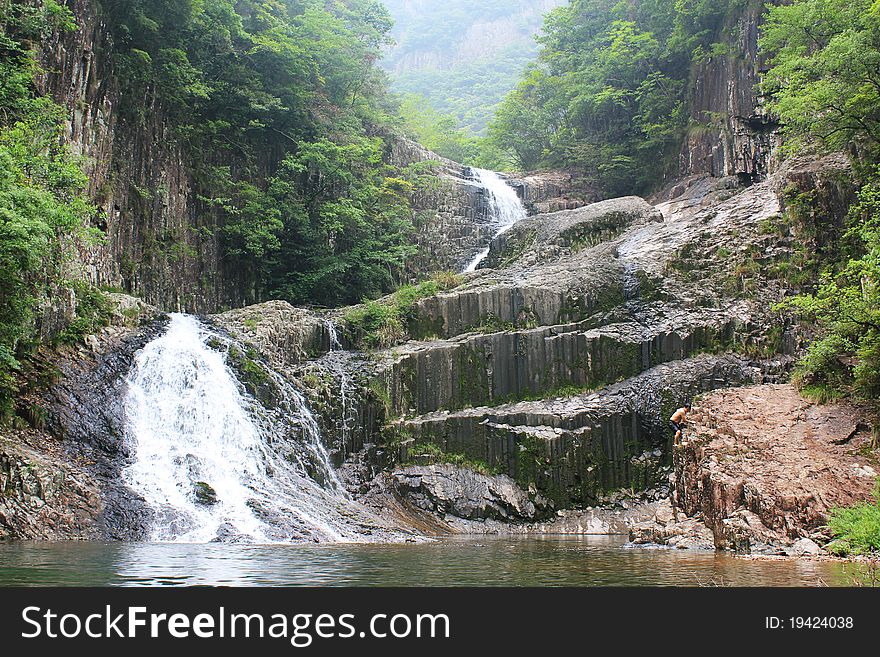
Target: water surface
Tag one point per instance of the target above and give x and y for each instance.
(460, 561)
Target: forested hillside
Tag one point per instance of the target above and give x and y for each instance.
(462, 57)
(280, 105)
(275, 111)
(609, 91)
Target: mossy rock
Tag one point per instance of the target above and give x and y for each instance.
(204, 493)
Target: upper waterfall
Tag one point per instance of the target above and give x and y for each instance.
(215, 464)
(505, 208)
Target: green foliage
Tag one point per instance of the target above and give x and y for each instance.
(42, 200)
(824, 78)
(441, 133)
(491, 323)
(278, 102)
(93, 311)
(607, 93)
(846, 308)
(824, 84)
(384, 323)
(346, 223)
(856, 529)
(430, 454)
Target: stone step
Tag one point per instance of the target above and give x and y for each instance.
(576, 449)
(490, 369)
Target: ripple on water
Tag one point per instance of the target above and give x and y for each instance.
(461, 561)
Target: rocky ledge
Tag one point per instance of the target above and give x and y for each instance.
(59, 478)
(759, 470)
(42, 495)
(448, 490)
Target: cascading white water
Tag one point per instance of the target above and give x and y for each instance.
(336, 346)
(194, 429)
(505, 208)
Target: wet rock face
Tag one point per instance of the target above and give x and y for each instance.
(451, 214)
(460, 492)
(85, 412)
(551, 236)
(62, 480)
(583, 300)
(42, 496)
(491, 369)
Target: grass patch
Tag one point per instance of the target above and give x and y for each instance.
(819, 393)
(385, 323)
(491, 324)
(856, 529)
(93, 312)
(431, 454)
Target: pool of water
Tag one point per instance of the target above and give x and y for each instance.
(460, 561)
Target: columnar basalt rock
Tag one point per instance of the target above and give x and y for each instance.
(731, 132)
(551, 191)
(162, 241)
(484, 369)
(583, 299)
(451, 213)
(577, 448)
(277, 331)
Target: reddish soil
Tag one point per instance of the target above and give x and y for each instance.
(763, 466)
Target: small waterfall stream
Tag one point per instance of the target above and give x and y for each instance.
(505, 208)
(344, 394)
(213, 463)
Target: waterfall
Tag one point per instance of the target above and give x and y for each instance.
(336, 346)
(505, 208)
(214, 463)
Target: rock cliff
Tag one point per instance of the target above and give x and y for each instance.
(162, 242)
(760, 468)
(731, 133)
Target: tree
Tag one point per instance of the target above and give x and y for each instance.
(845, 358)
(607, 94)
(42, 200)
(824, 76)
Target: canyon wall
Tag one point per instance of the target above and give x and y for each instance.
(161, 242)
(730, 131)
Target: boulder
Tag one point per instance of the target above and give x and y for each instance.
(463, 493)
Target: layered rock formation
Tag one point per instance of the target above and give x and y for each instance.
(558, 363)
(731, 133)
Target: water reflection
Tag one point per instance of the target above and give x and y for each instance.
(470, 561)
